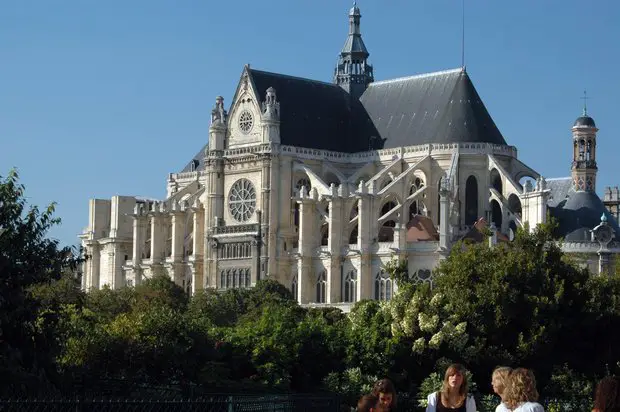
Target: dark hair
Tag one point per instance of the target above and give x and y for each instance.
(455, 368)
(385, 386)
(368, 403)
(607, 396)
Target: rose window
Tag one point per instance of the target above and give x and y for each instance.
(242, 200)
(246, 121)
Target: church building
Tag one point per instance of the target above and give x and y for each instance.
(318, 185)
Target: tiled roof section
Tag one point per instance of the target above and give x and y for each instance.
(420, 229)
(560, 188)
(315, 114)
(198, 161)
(580, 214)
(441, 107)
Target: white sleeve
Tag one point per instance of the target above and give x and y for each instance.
(471, 404)
(431, 402)
(538, 408)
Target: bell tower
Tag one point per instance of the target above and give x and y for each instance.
(353, 73)
(584, 167)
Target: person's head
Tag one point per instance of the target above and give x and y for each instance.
(370, 403)
(521, 388)
(385, 391)
(455, 380)
(607, 396)
(499, 378)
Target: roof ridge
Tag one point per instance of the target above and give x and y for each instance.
(292, 77)
(419, 76)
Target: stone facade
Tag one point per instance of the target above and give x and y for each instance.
(322, 222)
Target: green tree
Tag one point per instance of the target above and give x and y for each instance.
(27, 258)
(524, 304)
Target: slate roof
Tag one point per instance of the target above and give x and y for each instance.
(315, 114)
(576, 212)
(560, 188)
(198, 161)
(441, 107)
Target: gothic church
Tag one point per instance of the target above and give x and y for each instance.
(318, 185)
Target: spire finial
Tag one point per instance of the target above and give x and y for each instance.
(585, 101)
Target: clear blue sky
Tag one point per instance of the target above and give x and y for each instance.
(99, 98)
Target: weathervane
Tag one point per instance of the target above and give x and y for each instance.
(585, 100)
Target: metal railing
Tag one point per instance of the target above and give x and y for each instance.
(258, 403)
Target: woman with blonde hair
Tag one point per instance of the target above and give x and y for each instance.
(453, 395)
(521, 394)
(499, 380)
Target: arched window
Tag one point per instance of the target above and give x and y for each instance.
(188, 238)
(303, 182)
(514, 203)
(416, 206)
(386, 232)
(471, 200)
(248, 279)
(353, 236)
(496, 181)
(582, 149)
(349, 287)
(147, 242)
(295, 288)
(496, 213)
(325, 235)
(169, 240)
(321, 287)
(354, 211)
(383, 286)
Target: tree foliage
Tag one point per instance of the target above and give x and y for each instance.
(522, 303)
(27, 258)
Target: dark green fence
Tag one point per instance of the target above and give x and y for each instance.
(223, 403)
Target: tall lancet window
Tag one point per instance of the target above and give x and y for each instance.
(321, 287)
(349, 288)
(383, 286)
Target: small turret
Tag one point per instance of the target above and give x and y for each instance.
(271, 117)
(217, 130)
(353, 73)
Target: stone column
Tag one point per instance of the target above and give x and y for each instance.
(93, 266)
(266, 230)
(334, 281)
(306, 280)
(199, 244)
(157, 240)
(178, 231)
(272, 214)
(364, 243)
(605, 263)
(139, 232)
(444, 213)
(400, 239)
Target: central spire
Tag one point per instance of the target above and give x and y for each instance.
(353, 73)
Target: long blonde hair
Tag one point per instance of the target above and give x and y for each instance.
(451, 371)
(521, 388)
(501, 374)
